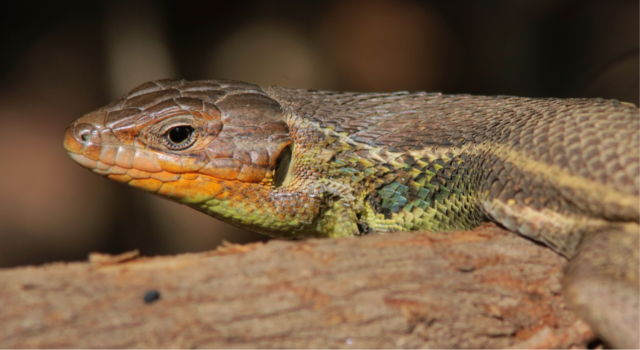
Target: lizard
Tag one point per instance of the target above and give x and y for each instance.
(297, 163)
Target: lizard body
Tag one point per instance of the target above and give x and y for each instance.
(299, 163)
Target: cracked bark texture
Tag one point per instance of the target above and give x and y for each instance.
(486, 288)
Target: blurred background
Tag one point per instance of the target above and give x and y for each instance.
(61, 59)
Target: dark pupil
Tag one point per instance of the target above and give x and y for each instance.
(180, 133)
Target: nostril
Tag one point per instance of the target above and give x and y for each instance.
(83, 132)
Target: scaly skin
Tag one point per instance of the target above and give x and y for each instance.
(300, 163)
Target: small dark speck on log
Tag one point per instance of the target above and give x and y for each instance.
(151, 296)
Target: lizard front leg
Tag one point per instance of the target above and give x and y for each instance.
(601, 283)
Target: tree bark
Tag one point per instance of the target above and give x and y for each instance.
(471, 289)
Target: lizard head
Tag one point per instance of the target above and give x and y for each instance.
(221, 147)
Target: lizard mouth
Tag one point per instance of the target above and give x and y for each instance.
(122, 163)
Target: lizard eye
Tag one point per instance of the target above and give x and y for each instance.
(180, 134)
(179, 137)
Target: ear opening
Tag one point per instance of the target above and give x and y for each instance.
(282, 166)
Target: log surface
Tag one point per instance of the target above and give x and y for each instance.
(470, 289)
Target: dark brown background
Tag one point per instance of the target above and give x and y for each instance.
(62, 59)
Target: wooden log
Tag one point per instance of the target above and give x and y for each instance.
(471, 289)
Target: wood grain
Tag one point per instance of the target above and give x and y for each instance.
(470, 289)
